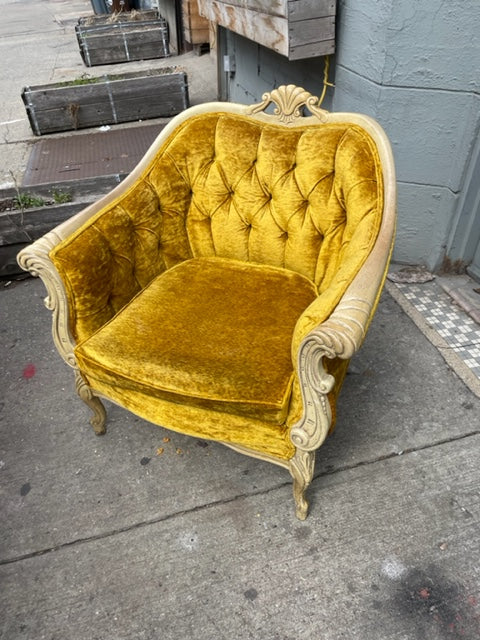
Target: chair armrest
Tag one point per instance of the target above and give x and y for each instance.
(35, 258)
(108, 252)
(321, 332)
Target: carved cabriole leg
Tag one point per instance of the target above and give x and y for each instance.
(301, 467)
(311, 430)
(93, 402)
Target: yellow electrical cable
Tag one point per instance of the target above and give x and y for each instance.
(326, 83)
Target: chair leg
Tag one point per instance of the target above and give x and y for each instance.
(93, 402)
(301, 468)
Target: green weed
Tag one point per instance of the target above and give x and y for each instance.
(27, 201)
(61, 197)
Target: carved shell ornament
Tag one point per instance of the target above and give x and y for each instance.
(289, 101)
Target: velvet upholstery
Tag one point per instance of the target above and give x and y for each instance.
(209, 332)
(296, 209)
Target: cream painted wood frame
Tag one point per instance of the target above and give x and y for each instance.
(341, 335)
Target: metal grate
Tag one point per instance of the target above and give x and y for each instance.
(88, 155)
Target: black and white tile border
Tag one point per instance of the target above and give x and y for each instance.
(456, 327)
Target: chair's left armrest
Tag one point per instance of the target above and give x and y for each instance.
(35, 258)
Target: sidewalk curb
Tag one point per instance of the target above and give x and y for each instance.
(445, 350)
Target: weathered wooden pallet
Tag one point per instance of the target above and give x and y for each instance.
(137, 36)
(108, 99)
(297, 29)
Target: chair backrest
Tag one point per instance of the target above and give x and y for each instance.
(298, 198)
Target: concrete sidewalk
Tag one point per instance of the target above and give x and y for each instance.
(112, 538)
(38, 46)
(108, 538)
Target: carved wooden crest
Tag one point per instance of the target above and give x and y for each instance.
(290, 101)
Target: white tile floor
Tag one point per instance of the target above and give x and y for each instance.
(455, 326)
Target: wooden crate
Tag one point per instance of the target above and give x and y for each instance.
(105, 100)
(122, 37)
(297, 29)
(195, 27)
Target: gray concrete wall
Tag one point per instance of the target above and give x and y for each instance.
(415, 67)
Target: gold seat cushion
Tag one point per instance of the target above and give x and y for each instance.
(213, 333)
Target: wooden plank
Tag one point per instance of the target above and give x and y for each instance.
(309, 31)
(196, 22)
(197, 36)
(307, 9)
(312, 50)
(195, 26)
(63, 119)
(144, 105)
(265, 29)
(297, 29)
(86, 189)
(49, 94)
(291, 9)
(94, 19)
(59, 97)
(269, 7)
(150, 32)
(18, 226)
(124, 48)
(121, 54)
(127, 41)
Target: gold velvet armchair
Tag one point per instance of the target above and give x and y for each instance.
(222, 288)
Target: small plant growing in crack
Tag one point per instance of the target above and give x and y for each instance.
(61, 197)
(27, 201)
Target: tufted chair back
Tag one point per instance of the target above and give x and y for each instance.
(231, 186)
(265, 193)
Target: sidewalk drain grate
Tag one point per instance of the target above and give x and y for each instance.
(88, 155)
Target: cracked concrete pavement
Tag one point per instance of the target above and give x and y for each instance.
(145, 533)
